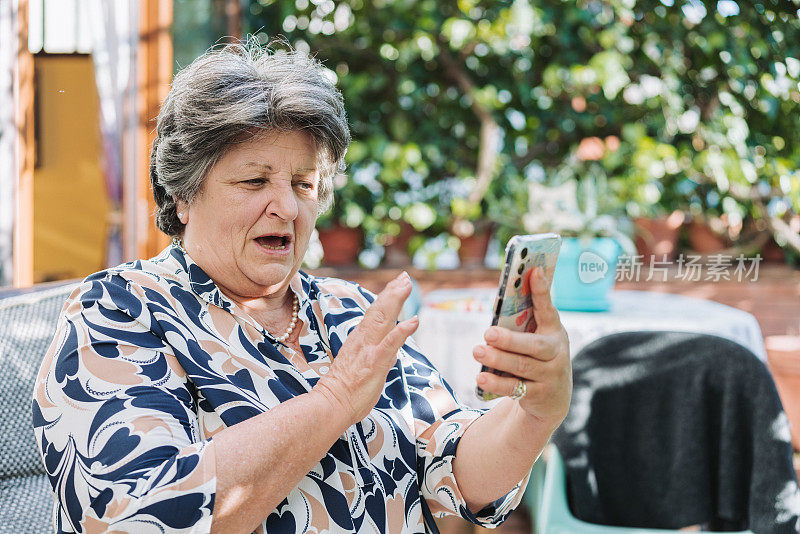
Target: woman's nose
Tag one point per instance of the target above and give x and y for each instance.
(282, 203)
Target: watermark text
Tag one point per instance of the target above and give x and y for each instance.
(688, 268)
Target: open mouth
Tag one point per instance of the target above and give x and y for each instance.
(274, 241)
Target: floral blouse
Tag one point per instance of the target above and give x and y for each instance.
(150, 360)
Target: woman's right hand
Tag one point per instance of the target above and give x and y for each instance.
(358, 373)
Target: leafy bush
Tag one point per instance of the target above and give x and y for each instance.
(683, 104)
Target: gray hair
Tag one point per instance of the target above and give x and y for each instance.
(235, 91)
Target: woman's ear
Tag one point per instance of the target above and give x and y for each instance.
(182, 208)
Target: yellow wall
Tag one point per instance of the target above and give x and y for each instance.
(70, 204)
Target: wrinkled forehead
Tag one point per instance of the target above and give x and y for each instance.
(278, 150)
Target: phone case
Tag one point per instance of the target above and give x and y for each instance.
(513, 306)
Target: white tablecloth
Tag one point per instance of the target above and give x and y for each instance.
(452, 322)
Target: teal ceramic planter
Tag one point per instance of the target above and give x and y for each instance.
(585, 273)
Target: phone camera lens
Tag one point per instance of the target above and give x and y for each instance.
(517, 282)
(520, 268)
(524, 253)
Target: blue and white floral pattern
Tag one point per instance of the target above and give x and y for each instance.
(150, 360)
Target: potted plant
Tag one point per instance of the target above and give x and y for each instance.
(656, 236)
(472, 230)
(653, 191)
(340, 244)
(402, 230)
(706, 234)
(472, 249)
(593, 237)
(341, 227)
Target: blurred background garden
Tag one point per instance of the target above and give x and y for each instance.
(460, 109)
(670, 122)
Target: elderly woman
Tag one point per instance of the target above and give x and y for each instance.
(216, 387)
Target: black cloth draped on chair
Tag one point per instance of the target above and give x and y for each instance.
(670, 429)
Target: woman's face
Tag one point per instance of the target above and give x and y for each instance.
(249, 225)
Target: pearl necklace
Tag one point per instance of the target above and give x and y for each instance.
(295, 309)
(178, 242)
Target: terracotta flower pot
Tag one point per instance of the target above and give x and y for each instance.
(340, 244)
(773, 252)
(396, 247)
(472, 251)
(703, 240)
(783, 356)
(657, 237)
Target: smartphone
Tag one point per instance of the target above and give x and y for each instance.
(513, 305)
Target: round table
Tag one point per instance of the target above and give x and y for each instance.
(452, 322)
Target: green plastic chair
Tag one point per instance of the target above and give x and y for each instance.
(547, 500)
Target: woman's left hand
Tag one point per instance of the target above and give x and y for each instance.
(540, 360)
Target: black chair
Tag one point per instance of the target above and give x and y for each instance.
(671, 429)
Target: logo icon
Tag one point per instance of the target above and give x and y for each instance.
(591, 267)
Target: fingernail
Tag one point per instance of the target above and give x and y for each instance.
(479, 352)
(481, 380)
(491, 335)
(410, 324)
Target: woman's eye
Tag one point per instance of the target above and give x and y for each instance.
(308, 186)
(254, 181)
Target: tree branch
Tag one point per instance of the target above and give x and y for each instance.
(489, 132)
(468, 49)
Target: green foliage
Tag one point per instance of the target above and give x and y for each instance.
(695, 104)
(197, 24)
